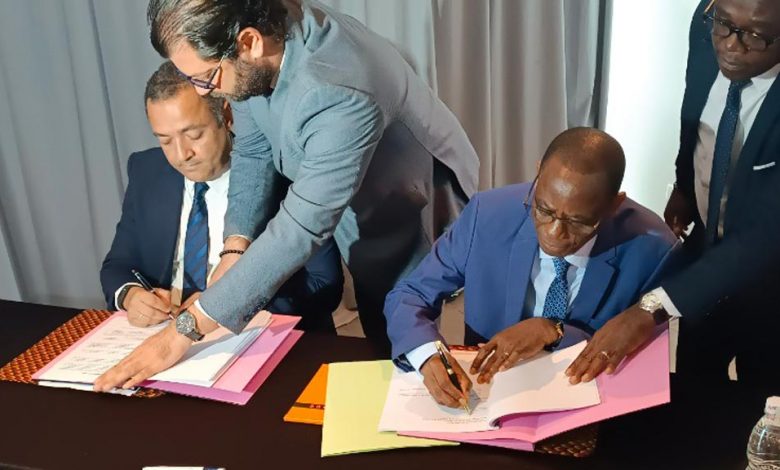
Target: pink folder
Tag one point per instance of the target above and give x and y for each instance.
(245, 375)
(641, 382)
(247, 364)
(235, 380)
(242, 397)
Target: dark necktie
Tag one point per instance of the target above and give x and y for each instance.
(556, 302)
(721, 161)
(196, 244)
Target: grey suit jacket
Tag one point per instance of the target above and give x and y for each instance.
(356, 130)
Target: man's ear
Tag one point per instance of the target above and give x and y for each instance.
(227, 115)
(619, 199)
(251, 45)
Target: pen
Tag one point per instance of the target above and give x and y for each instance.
(144, 283)
(146, 286)
(451, 373)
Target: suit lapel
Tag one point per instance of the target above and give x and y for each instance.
(521, 259)
(598, 277)
(165, 219)
(704, 70)
(764, 124)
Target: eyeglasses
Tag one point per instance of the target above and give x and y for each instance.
(206, 84)
(546, 216)
(751, 40)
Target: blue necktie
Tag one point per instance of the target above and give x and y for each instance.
(196, 245)
(556, 303)
(721, 161)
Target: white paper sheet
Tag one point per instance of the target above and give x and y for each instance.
(202, 365)
(101, 351)
(208, 359)
(535, 385)
(85, 387)
(410, 407)
(540, 385)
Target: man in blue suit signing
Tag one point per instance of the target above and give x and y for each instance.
(543, 264)
(173, 211)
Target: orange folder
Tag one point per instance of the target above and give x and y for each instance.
(309, 408)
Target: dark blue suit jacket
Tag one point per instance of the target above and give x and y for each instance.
(744, 263)
(490, 251)
(146, 240)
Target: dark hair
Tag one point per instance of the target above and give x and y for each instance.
(211, 27)
(587, 150)
(167, 81)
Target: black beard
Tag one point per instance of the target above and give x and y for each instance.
(251, 80)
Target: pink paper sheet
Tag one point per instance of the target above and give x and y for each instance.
(242, 397)
(642, 382)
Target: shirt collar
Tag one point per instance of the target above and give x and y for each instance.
(762, 83)
(275, 81)
(769, 75)
(579, 258)
(216, 186)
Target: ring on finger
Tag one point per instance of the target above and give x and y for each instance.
(605, 354)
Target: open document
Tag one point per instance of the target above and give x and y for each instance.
(533, 386)
(115, 338)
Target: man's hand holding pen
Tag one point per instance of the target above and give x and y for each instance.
(440, 385)
(145, 308)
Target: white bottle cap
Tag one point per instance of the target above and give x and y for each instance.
(772, 410)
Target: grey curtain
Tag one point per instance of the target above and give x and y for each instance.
(72, 73)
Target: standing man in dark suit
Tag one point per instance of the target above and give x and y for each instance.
(728, 186)
(173, 211)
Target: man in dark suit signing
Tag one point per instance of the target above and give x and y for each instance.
(728, 186)
(173, 211)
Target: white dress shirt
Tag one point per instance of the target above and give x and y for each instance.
(542, 276)
(752, 98)
(216, 202)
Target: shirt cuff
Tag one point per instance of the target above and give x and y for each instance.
(116, 294)
(238, 235)
(204, 312)
(420, 354)
(666, 301)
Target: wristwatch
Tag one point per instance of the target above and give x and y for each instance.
(186, 325)
(120, 298)
(559, 329)
(651, 304)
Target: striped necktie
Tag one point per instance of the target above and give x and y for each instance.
(196, 245)
(721, 159)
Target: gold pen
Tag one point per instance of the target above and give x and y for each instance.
(451, 374)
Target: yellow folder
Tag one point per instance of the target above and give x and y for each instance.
(356, 393)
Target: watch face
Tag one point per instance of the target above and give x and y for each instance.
(185, 323)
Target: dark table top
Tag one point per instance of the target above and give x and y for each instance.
(55, 428)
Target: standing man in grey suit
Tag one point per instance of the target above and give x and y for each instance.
(377, 161)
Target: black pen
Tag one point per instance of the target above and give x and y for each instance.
(146, 286)
(451, 374)
(144, 283)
